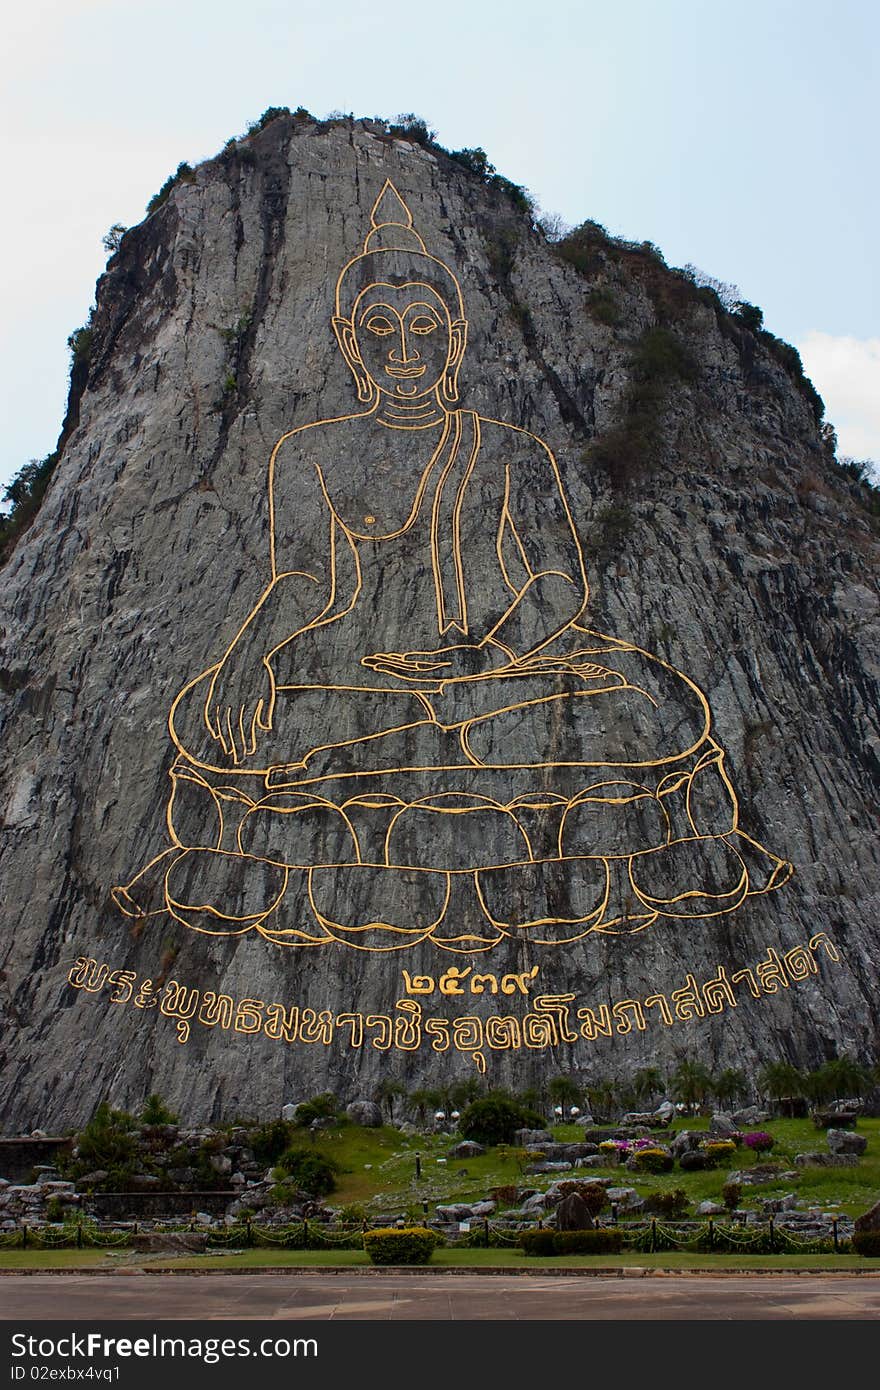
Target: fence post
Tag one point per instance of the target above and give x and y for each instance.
(79, 1235)
(772, 1236)
(24, 1235)
(305, 1234)
(653, 1234)
(834, 1235)
(248, 1233)
(486, 1229)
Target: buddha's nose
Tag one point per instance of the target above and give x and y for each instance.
(404, 351)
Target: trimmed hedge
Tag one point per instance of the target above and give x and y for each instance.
(866, 1242)
(410, 1245)
(601, 1242)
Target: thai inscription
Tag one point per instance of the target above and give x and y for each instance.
(546, 1021)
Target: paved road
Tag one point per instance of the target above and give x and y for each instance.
(82, 1298)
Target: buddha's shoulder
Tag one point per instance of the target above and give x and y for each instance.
(312, 440)
(510, 442)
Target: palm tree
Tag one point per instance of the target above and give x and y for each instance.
(530, 1098)
(422, 1101)
(691, 1084)
(730, 1085)
(781, 1081)
(648, 1083)
(463, 1093)
(564, 1091)
(389, 1091)
(846, 1077)
(602, 1095)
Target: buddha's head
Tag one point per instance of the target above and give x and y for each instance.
(399, 318)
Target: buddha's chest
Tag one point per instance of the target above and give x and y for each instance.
(378, 498)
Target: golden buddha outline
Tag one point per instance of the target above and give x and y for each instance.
(412, 736)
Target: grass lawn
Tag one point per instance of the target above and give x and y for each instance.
(454, 1259)
(379, 1169)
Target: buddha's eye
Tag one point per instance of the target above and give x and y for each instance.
(379, 325)
(422, 325)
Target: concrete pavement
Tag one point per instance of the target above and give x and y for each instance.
(319, 1296)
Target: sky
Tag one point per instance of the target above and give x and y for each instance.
(739, 138)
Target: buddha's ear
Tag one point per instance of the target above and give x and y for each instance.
(345, 337)
(458, 330)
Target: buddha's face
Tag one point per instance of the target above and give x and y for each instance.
(402, 341)
(402, 335)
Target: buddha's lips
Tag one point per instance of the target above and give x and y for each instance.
(405, 371)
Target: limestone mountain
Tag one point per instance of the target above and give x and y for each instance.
(441, 650)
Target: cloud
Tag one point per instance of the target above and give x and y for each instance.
(846, 373)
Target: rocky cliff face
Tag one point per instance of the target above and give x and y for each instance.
(719, 538)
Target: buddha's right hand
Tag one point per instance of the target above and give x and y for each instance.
(241, 701)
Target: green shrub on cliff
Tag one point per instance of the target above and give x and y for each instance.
(496, 1118)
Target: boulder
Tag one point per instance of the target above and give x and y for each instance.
(537, 1202)
(548, 1168)
(288, 1112)
(92, 1179)
(835, 1119)
(684, 1142)
(869, 1220)
(585, 1121)
(665, 1113)
(573, 1214)
(819, 1160)
(530, 1138)
(722, 1125)
(847, 1106)
(750, 1116)
(365, 1113)
(708, 1208)
(596, 1160)
(638, 1117)
(771, 1205)
(576, 1151)
(694, 1161)
(454, 1211)
(220, 1163)
(468, 1148)
(845, 1141)
(483, 1208)
(625, 1198)
(760, 1173)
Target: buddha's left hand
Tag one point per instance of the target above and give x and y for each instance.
(463, 662)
